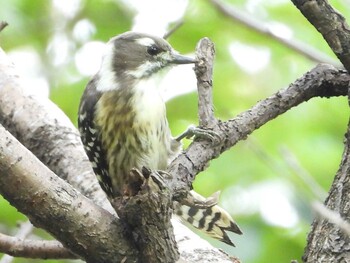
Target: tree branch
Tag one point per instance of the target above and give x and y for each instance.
(147, 215)
(333, 217)
(326, 239)
(330, 24)
(205, 52)
(259, 26)
(25, 229)
(48, 201)
(322, 81)
(44, 129)
(19, 247)
(3, 24)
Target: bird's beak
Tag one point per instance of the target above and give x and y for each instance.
(180, 59)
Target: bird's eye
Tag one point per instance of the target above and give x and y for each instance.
(153, 50)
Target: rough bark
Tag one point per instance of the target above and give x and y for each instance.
(326, 240)
(204, 72)
(331, 24)
(147, 214)
(53, 204)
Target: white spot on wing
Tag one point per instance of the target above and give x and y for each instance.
(93, 131)
(82, 116)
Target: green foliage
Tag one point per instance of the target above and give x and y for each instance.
(313, 131)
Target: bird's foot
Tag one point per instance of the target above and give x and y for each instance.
(199, 133)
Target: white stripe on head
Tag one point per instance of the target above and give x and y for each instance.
(108, 81)
(146, 41)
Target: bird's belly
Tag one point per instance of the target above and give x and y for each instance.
(135, 134)
(137, 148)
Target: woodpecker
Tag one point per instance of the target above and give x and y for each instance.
(123, 125)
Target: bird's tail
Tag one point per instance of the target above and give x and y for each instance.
(211, 219)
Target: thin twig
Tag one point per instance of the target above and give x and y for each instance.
(258, 26)
(177, 25)
(25, 229)
(3, 24)
(306, 178)
(296, 174)
(332, 216)
(205, 53)
(34, 248)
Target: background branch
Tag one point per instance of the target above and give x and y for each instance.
(27, 248)
(3, 24)
(330, 24)
(262, 28)
(333, 217)
(24, 230)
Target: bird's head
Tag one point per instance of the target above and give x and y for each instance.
(135, 56)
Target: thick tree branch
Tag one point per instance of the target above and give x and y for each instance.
(147, 214)
(330, 24)
(89, 231)
(262, 28)
(327, 240)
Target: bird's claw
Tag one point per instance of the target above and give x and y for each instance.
(199, 133)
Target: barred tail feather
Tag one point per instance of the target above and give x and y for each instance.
(214, 220)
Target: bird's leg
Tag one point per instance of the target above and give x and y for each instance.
(199, 133)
